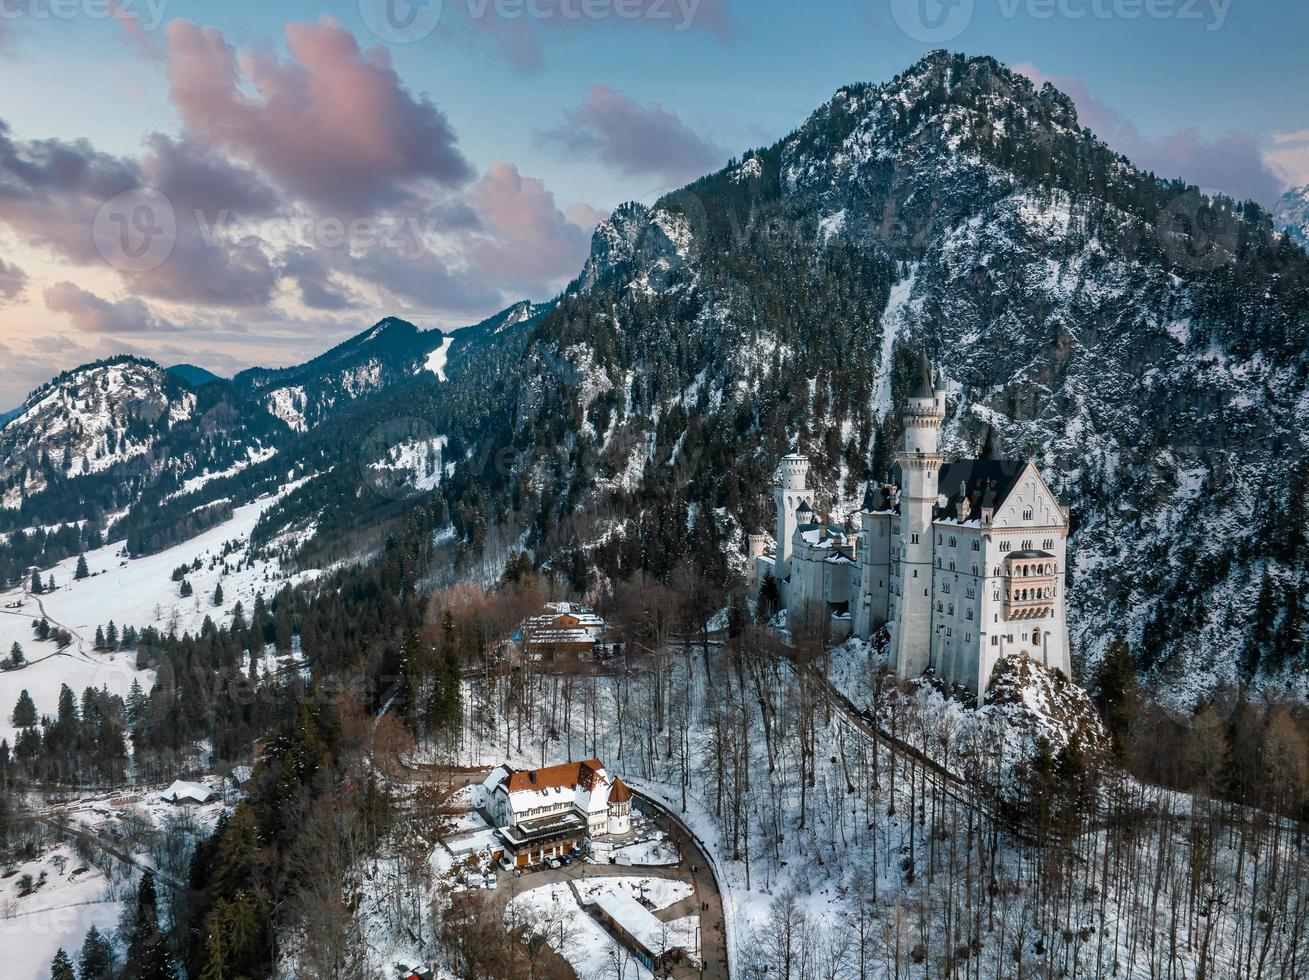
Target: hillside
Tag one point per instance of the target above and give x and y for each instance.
(1145, 344)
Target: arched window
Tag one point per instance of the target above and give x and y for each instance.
(1036, 637)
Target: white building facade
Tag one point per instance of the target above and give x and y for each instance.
(962, 562)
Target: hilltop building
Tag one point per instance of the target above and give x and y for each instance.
(546, 813)
(963, 562)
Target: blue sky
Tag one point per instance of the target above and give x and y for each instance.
(534, 125)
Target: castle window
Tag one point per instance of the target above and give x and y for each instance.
(952, 544)
(938, 539)
(968, 637)
(952, 566)
(949, 631)
(969, 615)
(1004, 545)
(1027, 546)
(974, 569)
(977, 545)
(915, 573)
(938, 607)
(971, 593)
(1027, 515)
(1036, 637)
(995, 640)
(1048, 544)
(913, 539)
(952, 609)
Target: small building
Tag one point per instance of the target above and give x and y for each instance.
(545, 813)
(564, 629)
(183, 793)
(636, 927)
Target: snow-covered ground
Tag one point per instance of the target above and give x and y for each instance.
(437, 360)
(138, 592)
(42, 681)
(554, 912)
(659, 893)
(57, 914)
(655, 852)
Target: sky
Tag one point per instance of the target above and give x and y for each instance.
(249, 183)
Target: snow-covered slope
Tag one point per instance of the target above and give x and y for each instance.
(1291, 214)
(87, 421)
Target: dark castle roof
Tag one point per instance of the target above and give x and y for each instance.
(988, 483)
(923, 382)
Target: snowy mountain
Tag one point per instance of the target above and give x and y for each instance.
(1145, 344)
(87, 421)
(1291, 214)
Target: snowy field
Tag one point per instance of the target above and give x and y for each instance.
(139, 592)
(658, 892)
(655, 852)
(57, 914)
(42, 681)
(554, 912)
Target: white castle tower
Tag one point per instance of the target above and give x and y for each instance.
(920, 463)
(792, 491)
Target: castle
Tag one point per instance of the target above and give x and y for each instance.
(963, 562)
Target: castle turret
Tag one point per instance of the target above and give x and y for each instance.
(920, 464)
(792, 491)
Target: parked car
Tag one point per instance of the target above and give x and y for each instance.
(565, 860)
(506, 864)
(490, 881)
(553, 864)
(518, 872)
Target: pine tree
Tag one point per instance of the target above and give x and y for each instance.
(50, 584)
(99, 638)
(135, 703)
(218, 594)
(186, 590)
(96, 961)
(61, 967)
(1117, 696)
(36, 588)
(82, 571)
(111, 636)
(16, 656)
(24, 714)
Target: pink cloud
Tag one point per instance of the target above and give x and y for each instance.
(333, 125)
(635, 139)
(532, 246)
(1231, 162)
(90, 313)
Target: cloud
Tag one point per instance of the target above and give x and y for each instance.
(13, 281)
(521, 39)
(1289, 157)
(1232, 162)
(90, 313)
(143, 43)
(318, 289)
(50, 191)
(636, 140)
(332, 125)
(532, 246)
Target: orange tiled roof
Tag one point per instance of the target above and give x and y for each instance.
(565, 775)
(618, 792)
